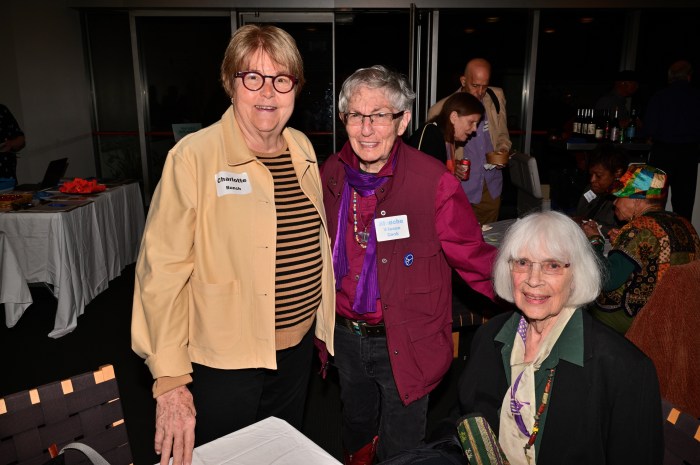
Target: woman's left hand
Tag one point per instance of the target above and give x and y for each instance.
(590, 228)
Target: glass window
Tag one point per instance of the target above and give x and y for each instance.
(579, 53)
(368, 38)
(499, 36)
(116, 122)
(180, 59)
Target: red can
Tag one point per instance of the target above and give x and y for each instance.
(467, 167)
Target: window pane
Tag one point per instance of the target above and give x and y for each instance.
(181, 58)
(115, 98)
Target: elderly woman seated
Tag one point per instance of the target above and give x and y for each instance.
(543, 376)
(651, 241)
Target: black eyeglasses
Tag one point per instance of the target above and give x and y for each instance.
(375, 119)
(252, 80)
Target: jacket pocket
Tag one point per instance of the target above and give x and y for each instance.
(432, 352)
(422, 279)
(216, 318)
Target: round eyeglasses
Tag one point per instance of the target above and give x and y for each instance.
(252, 80)
(375, 119)
(523, 265)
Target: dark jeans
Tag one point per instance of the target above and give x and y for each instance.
(371, 402)
(680, 162)
(228, 400)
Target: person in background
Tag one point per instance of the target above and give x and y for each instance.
(555, 385)
(235, 261)
(11, 141)
(673, 123)
(618, 98)
(651, 241)
(453, 126)
(399, 221)
(485, 183)
(605, 165)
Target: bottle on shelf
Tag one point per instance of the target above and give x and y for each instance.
(615, 128)
(590, 135)
(631, 131)
(576, 130)
(600, 125)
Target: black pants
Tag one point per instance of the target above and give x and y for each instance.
(680, 162)
(228, 400)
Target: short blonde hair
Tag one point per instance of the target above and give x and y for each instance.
(275, 42)
(561, 239)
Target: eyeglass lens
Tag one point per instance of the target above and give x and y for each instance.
(375, 119)
(523, 265)
(253, 81)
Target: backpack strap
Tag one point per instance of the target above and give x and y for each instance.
(420, 142)
(496, 103)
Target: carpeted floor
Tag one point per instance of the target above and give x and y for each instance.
(30, 358)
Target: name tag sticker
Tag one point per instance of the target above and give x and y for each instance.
(391, 228)
(232, 183)
(589, 196)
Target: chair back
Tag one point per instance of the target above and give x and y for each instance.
(666, 329)
(681, 436)
(84, 408)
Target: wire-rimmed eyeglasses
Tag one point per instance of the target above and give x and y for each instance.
(523, 265)
(375, 119)
(252, 80)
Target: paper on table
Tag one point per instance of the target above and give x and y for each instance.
(270, 441)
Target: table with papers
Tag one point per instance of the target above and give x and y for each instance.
(76, 252)
(269, 441)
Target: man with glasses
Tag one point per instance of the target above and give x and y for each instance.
(485, 183)
(398, 222)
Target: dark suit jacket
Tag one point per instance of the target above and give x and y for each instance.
(606, 412)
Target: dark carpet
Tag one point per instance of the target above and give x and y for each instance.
(30, 358)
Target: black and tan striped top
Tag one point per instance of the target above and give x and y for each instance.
(298, 265)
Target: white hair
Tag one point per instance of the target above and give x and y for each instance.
(558, 236)
(396, 87)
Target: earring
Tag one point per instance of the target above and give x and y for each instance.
(231, 100)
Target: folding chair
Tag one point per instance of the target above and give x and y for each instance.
(84, 408)
(681, 436)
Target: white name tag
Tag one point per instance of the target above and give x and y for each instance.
(589, 196)
(232, 183)
(391, 228)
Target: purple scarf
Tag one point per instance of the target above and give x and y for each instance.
(367, 287)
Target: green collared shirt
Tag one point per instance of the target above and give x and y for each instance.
(568, 347)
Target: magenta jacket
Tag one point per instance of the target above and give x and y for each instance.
(414, 274)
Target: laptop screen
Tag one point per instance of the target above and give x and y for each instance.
(54, 172)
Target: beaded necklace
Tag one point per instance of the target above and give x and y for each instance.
(361, 237)
(538, 415)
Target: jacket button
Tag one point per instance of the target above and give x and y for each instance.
(386, 307)
(396, 352)
(357, 277)
(381, 189)
(384, 260)
(405, 396)
(383, 212)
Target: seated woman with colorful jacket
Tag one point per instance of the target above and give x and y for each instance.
(643, 250)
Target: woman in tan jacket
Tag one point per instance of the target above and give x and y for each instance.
(234, 266)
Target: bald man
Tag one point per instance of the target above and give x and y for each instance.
(485, 183)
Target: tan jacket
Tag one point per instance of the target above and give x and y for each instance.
(498, 122)
(205, 276)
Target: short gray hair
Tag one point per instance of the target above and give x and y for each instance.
(561, 239)
(395, 85)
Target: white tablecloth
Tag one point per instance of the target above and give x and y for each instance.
(77, 252)
(270, 441)
(14, 292)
